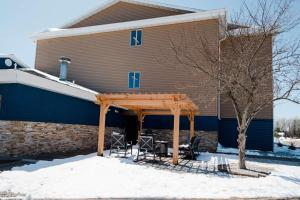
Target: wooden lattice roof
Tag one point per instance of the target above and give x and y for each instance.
(158, 102)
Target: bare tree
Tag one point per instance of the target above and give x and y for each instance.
(282, 125)
(254, 66)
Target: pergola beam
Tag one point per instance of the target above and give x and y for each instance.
(151, 104)
(130, 96)
(164, 112)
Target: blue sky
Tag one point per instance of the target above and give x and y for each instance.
(20, 19)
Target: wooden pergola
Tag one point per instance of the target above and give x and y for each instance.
(148, 104)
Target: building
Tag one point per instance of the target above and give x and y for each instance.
(124, 47)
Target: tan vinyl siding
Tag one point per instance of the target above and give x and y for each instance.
(227, 110)
(122, 12)
(102, 62)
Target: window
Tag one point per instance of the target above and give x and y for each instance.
(134, 80)
(136, 38)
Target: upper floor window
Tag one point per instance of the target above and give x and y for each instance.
(136, 38)
(134, 80)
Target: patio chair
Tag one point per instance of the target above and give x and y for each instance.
(118, 143)
(146, 145)
(192, 150)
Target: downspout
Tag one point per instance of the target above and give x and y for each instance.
(219, 84)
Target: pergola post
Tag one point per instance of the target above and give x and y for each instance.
(176, 113)
(140, 116)
(103, 110)
(192, 124)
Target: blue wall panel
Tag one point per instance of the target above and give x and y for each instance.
(205, 123)
(25, 103)
(259, 134)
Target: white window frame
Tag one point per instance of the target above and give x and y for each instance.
(136, 45)
(134, 72)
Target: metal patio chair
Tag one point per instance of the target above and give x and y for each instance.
(146, 145)
(118, 143)
(192, 150)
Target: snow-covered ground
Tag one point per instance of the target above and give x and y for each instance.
(90, 176)
(287, 141)
(283, 152)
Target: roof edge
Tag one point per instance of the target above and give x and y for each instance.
(183, 18)
(22, 77)
(137, 2)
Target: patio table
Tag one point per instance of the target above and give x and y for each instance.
(162, 147)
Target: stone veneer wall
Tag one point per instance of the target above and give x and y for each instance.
(208, 139)
(32, 139)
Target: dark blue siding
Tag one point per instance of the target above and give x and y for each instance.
(259, 134)
(205, 123)
(25, 103)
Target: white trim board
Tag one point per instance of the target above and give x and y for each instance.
(205, 15)
(137, 2)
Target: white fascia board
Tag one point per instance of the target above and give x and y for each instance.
(183, 18)
(8, 76)
(18, 76)
(56, 79)
(139, 2)
(39, 82)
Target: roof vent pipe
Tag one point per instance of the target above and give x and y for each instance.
(64, 63)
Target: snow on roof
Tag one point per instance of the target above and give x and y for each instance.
(250, 30)
(38, 79)
(56, 79)
(137, 2)
(159, 21)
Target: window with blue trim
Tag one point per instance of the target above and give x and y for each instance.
(134, 80)
(136, 38)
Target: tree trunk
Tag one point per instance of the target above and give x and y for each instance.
(242, 148)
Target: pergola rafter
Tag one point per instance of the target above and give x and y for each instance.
(148, 104)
